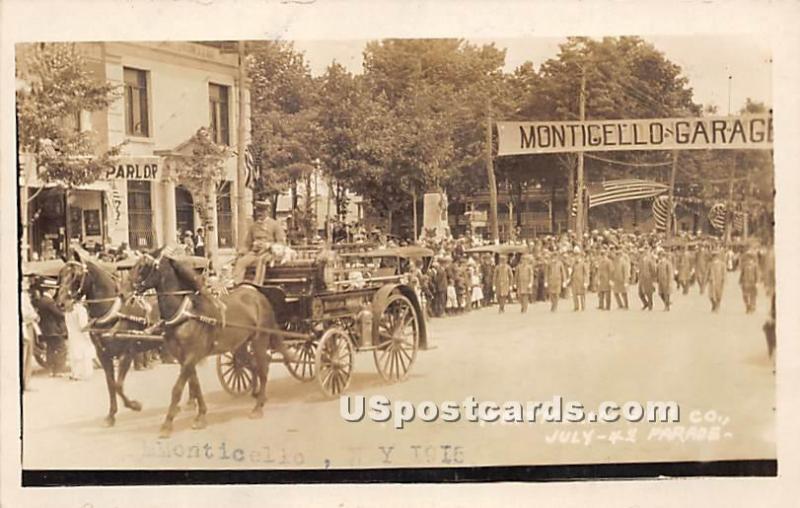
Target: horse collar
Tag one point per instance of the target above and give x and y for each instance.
(110, 313)
(181, 314)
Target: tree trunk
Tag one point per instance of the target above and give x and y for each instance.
(572, 221)
(273, 199)
(310, 218)
(414, 213)
(294, 195)
(552, 206)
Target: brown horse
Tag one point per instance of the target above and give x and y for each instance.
(197, 325)
(81, 278)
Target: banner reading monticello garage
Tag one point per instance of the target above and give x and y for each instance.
(731, 132)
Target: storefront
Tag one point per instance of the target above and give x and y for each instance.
(124, 207)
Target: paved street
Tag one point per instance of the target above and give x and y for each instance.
(714, 363)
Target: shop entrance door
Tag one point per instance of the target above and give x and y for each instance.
(184, 211)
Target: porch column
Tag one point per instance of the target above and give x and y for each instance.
(168, 213)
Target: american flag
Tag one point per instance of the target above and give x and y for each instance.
(253, 172)
(612, 191)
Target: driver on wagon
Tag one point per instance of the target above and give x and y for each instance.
(261, 235)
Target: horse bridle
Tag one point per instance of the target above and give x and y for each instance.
(75, 295)
(154, 264)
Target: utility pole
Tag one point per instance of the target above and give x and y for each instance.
(729, 206)
(581, 213)
(670, 206)
(242, 215)
(494, 227)
(731, 172)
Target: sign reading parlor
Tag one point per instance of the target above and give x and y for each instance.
(137, 168)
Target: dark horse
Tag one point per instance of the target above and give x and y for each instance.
(196, 325)
(108, 311)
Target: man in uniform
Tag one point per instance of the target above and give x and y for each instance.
(502, 278)
(261, 235)
(701, 267)
(716, 280)
(748, 278)
(487, 270)
(619, 278)
(579, 280)
(647, 278)
(52, 326)
(605, 268)
(685, 263)
(665, 273)
(555, 279)
(525, 281)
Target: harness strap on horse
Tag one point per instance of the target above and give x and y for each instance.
(110, 314)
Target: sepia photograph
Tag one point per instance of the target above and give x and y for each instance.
(395, 259)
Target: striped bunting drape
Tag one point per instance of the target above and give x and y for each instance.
(660, 212)
(717, 216)
(613, 191)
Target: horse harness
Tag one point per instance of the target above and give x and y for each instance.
(113, 314)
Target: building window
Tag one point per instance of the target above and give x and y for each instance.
(184, 210)
(136, 107)
(218, 111)
(140, 215)
(224, 215)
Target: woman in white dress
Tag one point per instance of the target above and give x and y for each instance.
(79, 344)
(477, 290)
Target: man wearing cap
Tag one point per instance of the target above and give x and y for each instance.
(685, 266)
(487, 271)
(52, 325)
(748, 278)
(716, 280)
(619, 278)
(665, 272)
(701, 261)
(502, 278)
(647, 278)
(555, 279)
(605, 268)
(260, 236)
(525, 281)
(579, 280)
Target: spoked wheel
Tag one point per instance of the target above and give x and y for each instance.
(334, 361)
(235, 371)
(304, 368)
(40, 354)
(397, 339)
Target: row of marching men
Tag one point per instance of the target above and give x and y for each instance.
(610, 271)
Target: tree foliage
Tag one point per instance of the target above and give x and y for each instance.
(283, 115)
(57, 87)
(201, 171)
(415, 120)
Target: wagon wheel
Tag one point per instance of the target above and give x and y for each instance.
(397, 339)
(334, 361)
(305, 352)
(40, 353)
(235, 371)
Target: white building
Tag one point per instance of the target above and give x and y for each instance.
(168, 91)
